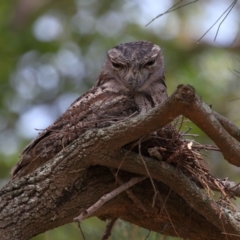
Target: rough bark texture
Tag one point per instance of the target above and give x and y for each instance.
(79, 176)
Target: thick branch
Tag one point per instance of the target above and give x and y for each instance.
(188, 190)
(53, 194)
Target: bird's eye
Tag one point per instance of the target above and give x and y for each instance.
(150, 63)
(116, 65)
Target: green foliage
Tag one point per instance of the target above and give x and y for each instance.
(93, 228)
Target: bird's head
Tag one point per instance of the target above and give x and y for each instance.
(133, 67)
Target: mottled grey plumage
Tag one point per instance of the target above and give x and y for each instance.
(131, 81)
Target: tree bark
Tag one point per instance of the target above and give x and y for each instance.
(80, 175)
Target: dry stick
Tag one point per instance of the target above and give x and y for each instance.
(220, 188)
(232, 187)
(164, 207)
(130, 194)
(206, 147)
(79, 226)
(108, 229)
(147, 235)
(186, 133)
(189, 135)
(108, 197)
(149, 175)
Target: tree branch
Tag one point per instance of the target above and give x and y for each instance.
(107, 197)
(53, 194)
(188, 190)
(184, 102)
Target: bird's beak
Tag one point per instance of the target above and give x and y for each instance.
(133, 80)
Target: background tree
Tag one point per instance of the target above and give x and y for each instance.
(52, 51)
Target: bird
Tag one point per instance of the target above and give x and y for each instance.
(131, 82)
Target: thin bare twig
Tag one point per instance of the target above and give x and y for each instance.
(129, 191)
(147, 235)
(171, 9)
(230, 9)
(227, 11)
(149, 175)
(164, 207)
(206, 147)
(81, 231)
(190, 135)
(108, 197)
(185, 133)
(230, 187)
(108, 229)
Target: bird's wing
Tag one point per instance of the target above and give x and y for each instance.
(94, 109)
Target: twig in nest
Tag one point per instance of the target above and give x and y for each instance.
(189, 135)
(197, 170)
(180, 152)
(220, 188)
(232, 188)
(148, 173)
(108, 229)
(130, 194)
(186, 132)
(108, 197)
(206, 147)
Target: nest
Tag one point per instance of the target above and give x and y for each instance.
(169, 145)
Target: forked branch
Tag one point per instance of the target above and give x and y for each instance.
(184, 101)
(62, 182)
